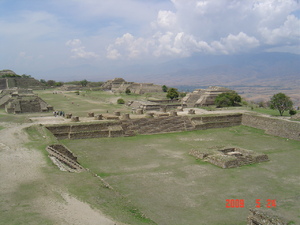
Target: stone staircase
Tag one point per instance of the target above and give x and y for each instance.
(64, 159)
(191, 100)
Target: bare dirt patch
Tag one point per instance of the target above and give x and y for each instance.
(21, 168)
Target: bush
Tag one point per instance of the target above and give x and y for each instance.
(228, 99)
(292, 112)
(120, 101)
(127, 91)
(172, 93)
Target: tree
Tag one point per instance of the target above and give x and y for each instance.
(84, 83)
(51, 83)
(42, 81)
(127, 91)
(164, 88)
(281, 102)
(228, 99)
(172, 93)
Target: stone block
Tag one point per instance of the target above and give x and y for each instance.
(125, 116)
(98, 117)
(117, 113)
(68, 115)
(191, 111)
(90, 114)
(75, 119)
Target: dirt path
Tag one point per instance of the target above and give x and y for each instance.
(19, 165)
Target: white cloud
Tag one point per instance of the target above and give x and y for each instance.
(288, 33)
(235, 43)
(128, 46)
(166, 19)
(215, 27)
(79, 51)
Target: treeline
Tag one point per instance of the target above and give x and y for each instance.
(82, 83)
(11, 75)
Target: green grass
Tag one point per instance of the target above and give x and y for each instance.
(271, 112)
(85, 186)
(91, 101)
(156, 173)
(19, 118)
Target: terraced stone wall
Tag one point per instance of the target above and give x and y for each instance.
(273, 126)
(163, 124)
(81, 131)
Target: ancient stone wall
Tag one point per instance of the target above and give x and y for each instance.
(81, 131)
(273, 126)
(160, 124)
(218, 121)
(3, 84)
(30, 106)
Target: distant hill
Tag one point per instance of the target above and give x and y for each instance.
(274, 69)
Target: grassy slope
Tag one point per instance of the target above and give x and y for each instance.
(85, 186)
(171, 187)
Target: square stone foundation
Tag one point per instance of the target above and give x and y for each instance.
(230, 157)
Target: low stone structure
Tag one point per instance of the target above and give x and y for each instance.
(70, 87)
(164, 124)
(173, 113)
(151, 105)
(75, 119)
(191, 111)
(259, 216)
(98, 117)
(120, 85)
(68, 115)
(203, 97)
(90, 114)
(87, 130)
(125, 116)
(117, 113)
(22, 101)
(64, 158)
(230, 157)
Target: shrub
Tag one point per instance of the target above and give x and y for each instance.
(172, 93)
(292, 112)
(228, 99)
(127, 91)
(120, 101)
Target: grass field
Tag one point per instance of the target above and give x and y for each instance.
(159, 177)
(154, 178)
(91, 101)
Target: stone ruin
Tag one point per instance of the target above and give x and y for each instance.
(63, 158)
(154, 105)
(259, 216)
(230, 157)
(18, 81)
(22, 101)
(203, 97)
(120, 85)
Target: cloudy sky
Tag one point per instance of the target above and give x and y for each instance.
(43, 37)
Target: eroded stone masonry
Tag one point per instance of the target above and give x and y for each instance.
(152, 125)
(168, 122)
(230, 157)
